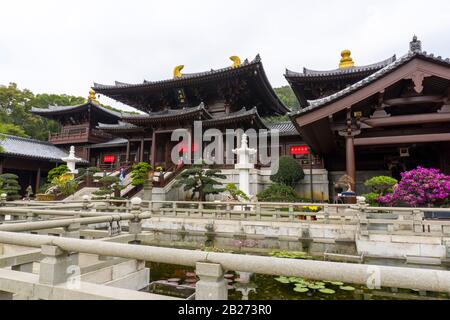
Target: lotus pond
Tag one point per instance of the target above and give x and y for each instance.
(180, 281)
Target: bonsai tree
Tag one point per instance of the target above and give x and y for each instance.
(380, 186)
(289, 172)
(278, 193)
(200, 181)
(419, 187)
(57, 172)
(139, 173)
(345, 182)
(235, 193)
(109, 185)
(9, 184)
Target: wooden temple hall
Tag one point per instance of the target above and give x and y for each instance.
(388, 117)
(381, 118)
(236, 97)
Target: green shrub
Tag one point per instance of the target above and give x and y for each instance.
(278, 193)
(57, 172)
(139, 174)
(380, 186)
(289, 172)
(235, 192)
(9, 184)
(109, 185)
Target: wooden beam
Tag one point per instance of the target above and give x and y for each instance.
(408, 119)
(416, 138)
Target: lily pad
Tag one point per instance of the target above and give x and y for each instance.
(319, 283)
(300, 285)
(347, 288)
(337, 283)
(327, 291)
(315, 287)
(301, 290)
(282, 279)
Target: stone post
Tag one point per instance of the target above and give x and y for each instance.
(31, 216)
(54, 266)
(85, 202)
(73, 231)
(417, 221)
(2, 204)
(135, 224)
(212, 285)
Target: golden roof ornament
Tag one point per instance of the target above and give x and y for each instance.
(177, 71)
(236, 61)
(92, 97)
(346, 60)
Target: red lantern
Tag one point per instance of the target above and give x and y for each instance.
(299, 150)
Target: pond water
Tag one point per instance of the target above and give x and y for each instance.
(180, 280)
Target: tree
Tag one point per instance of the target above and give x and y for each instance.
(278, 193)
(379, 186)
(9, 184)
(109, 185)
(65, 184)
(200, 181)
(419, 187)
(235, 193)
(57, 172)
(288, 97)
(289, 172)
(139, 173)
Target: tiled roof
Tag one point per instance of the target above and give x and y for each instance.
(116, 142)
(313, 104)
(64, 109)
(286, 128)
(121, 125)
(238, 115)
(184, 76)
(30, 148)
(308, 73)
(169, 113)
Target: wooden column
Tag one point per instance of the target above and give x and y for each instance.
(141, 151)
(127, 158)
(1, 166)
(38, 180)
(350, 159)
(153, 150)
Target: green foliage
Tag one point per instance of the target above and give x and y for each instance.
(9, 184)
(200, 181)
(289, 172)
(288, 97)
(278, 193)
(290, 254)
(109, 185)
(235, 193)
(139, 174)
(380, 186)
(65, 184)
(57, 172)
(12, 129)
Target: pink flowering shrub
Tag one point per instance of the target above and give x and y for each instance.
(419, 187)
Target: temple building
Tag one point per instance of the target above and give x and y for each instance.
(380, 119)
(235, 97)
(29, 159)
(363, 121)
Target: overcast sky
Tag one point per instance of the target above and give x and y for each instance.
(64, 46)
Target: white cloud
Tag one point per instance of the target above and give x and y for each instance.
(62, 46)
